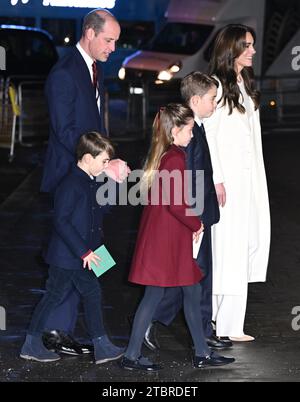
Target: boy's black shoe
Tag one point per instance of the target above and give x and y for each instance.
(218, 343)
(150, 338)
(64, 343)
(224, 339)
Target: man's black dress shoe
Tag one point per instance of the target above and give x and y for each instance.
(60, 342)
(212, 360)
(150, 338)
(218, 343)
(225, 339)
(141, 364)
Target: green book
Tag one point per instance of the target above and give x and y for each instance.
(106, 262)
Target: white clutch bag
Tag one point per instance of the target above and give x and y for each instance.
(196, 246)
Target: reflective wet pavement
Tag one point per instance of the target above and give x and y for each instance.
(24, 228)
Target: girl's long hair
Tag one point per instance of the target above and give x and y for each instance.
(230, 43)
(172, 115)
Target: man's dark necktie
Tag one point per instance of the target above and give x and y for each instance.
(95, 75)
(95, 79)
(203, 129)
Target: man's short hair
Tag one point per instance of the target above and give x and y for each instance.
(196, 83)
(93, 143)
(96, 20)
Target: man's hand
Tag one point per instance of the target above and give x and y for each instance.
(92, 257)
(221, 194)
(117, 170)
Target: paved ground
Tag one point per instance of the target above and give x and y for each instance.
(24, 229)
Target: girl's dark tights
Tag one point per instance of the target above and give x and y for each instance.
(145, 312)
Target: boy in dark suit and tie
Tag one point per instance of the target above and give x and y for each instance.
(77, 231)
(198, 91)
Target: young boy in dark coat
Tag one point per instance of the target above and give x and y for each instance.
(77, 231)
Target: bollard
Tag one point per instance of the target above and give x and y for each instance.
(2, 58)
(2, 319)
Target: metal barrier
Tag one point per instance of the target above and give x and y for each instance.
(23, 111)
(280, 108)
(10, 112)
(34, 122)
(16, 113)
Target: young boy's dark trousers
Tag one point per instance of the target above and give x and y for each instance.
(59, 283)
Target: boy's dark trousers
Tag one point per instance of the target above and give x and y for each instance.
(64, 316)
(59, 283)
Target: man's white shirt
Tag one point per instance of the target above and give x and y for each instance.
(89, 62)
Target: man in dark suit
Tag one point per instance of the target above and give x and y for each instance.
(75, 95)
(199, 92)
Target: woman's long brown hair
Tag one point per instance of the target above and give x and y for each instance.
(230, 43)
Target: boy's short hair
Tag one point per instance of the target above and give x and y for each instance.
(196, 83)
(93, 143)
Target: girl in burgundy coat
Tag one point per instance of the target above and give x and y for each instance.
(163, 255)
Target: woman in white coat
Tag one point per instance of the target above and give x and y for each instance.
(241, 239)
